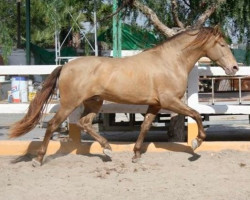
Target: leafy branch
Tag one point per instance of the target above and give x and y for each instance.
(6, 42)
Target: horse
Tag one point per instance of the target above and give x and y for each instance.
(156, 77)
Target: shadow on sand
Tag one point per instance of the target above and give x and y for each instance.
(84, 148)
(174, 147)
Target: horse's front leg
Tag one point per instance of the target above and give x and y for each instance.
(149, 118)
(176, 105)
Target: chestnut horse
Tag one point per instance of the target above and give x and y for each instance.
(156, 77)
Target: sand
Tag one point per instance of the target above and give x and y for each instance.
(166, 175)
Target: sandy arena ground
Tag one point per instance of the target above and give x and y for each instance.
(167, 175)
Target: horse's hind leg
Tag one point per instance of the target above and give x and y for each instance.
(91, 108)
(148, 119)
(53, 124)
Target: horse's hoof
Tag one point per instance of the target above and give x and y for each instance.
(107, 152)
(136, 159)
(36, 163)
(195, 143)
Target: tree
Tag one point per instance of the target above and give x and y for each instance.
(172, 16)
(46, 17)
(7, 33)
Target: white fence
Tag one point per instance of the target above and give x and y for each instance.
(193, 88)
(193, 100)
(24, 70)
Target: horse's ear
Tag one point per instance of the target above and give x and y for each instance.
(217, 29)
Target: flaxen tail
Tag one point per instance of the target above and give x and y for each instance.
(37, 106)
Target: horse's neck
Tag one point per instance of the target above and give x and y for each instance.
(185, 56)
(192, 56)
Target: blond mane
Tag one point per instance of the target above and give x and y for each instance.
(202, 36)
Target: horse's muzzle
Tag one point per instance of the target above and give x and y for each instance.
(232, 71)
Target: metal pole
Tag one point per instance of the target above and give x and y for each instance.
(18, 24)
(212, 91)
(28, 32)
(119, 32)
(56, 48)
(115, 30)
(95, 24)
(117, 40)
(240, 91)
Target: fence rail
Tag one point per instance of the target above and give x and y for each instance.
(193, 90)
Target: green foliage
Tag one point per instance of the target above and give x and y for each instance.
(46, 17)
(6, 42)
(49, 15)
(235, 16)
(232, 15)
(7, 32)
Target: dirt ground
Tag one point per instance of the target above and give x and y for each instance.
(168, 175)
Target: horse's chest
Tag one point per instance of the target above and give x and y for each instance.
(174, 84)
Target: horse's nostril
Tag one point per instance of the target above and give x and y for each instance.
(236, 68)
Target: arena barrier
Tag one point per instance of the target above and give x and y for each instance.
(213, 108)
(192, 97)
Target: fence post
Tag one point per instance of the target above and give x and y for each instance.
(192, 101)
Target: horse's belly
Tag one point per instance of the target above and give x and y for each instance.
(130, 99)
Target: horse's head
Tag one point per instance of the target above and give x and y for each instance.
(219, 52)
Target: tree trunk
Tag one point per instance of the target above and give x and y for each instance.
(1, 60)
(176, 130)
